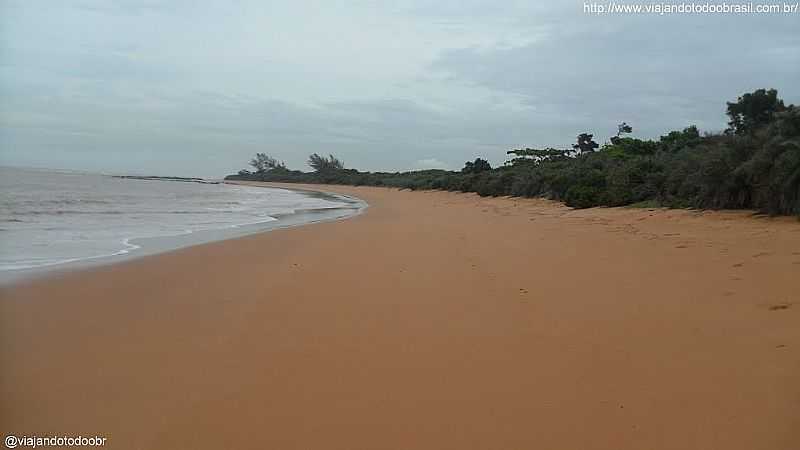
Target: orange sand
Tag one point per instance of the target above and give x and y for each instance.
(433, 321)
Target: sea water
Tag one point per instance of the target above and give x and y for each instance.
(52, 218)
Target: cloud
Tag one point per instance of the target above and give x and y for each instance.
(195, 88)
(657, 72)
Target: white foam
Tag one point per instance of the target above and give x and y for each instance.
(107, 214)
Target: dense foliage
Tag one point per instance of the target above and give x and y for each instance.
(477, 166)
(753, 165)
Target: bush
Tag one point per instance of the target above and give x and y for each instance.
(582, 196)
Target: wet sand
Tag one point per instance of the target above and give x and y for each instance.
(434, 320)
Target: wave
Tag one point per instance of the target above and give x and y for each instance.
(121, 218)
(41, 262)
(128, 244)
(59, 212)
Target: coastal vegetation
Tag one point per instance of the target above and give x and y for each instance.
(754, 164)
(323, 164)
(262, 163)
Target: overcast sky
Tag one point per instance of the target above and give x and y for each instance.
(195, 88)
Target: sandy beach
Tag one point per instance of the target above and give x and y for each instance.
(434, 320)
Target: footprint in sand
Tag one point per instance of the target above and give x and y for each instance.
(780, 306)
(738, 265)
(681, 246)
(758, 255)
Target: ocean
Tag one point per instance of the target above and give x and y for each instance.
(55, 218)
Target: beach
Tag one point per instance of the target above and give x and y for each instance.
(434, 320)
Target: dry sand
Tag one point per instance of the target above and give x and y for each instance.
(433, 321)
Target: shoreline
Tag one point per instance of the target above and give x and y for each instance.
(436, 320)
(139, 247)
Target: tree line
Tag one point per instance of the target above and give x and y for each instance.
(753, 164)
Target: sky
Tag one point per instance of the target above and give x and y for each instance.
(195, 88)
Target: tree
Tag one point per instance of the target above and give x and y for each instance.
(753, 110)
(585, 143)
(262, 163)
(321, 163)
(676, 140)
(624, 128)
(477, 166)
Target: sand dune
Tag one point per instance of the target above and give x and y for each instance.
(433, 321)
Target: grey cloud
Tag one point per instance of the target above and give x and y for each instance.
(196, 88)
(661, 72)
